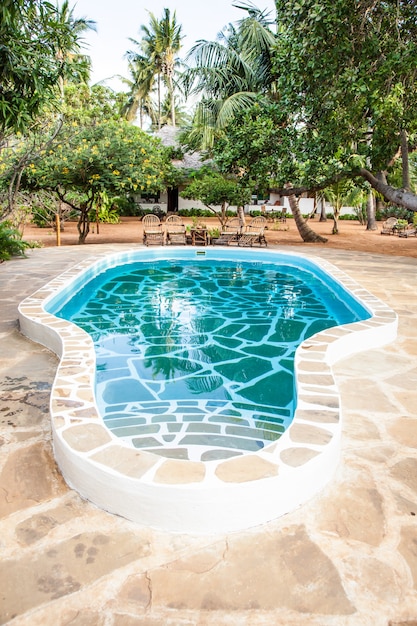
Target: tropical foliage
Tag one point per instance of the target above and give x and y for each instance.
(154, 61)
(109, 156)
(42, 40)
(229, 74)
(215, 189)
(317, 95)
(346, 77)
(11, 243)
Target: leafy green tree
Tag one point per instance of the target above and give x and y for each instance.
(109, 156)
(215, 189)
(255, 147)
(339, 195)
(80, 107)
(346, 83)
(168, 39)
(87, 106)
(33, 59)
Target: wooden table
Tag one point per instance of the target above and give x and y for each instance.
(200, 237)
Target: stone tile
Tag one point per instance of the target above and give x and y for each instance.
(246, 468)
(86, 437)
(29, 477)
(294, 457)
(354, 513)
(408, 549)
(324, 416)
(38, 526)
(361, 428)
(63, 568)
(303, 433)
(379, 581)
(181, 472)
(285, 570)
(125, 460)
(405, 472)
(404, 430)
(405, 506)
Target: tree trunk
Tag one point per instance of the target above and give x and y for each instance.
(159, 101)
(401, 197)
(171, 93)
(370, 212)
(307, 234)
(241, 216)
(323, 214)
(83, 225)
(335, 229)
(404, 158)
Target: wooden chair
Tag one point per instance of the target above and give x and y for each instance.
(388, 227)
(409, 231)
(254, 233)
(175, 230)
(231, 233)
(153, 234)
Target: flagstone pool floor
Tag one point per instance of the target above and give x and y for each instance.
(348, 557)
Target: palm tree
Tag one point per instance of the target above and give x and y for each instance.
(77, 65)
(343, 193)
(158, 48)
(169, 39)
(140, 85)
(230, 73)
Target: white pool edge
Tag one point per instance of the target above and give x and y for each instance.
(196, 497)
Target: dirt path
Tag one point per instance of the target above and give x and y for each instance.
(352, 236)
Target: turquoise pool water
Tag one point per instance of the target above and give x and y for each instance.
(195, 357)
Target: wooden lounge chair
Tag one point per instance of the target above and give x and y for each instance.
(153, 234)
(175, 230)
(231, 233)
(254, 233)
(388, 227)
(409, 231)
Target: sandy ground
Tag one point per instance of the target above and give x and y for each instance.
(352, 236)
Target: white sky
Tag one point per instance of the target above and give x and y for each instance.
(117, 20)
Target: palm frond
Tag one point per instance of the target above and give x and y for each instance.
(233, 105)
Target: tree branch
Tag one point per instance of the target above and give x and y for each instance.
(401, 197)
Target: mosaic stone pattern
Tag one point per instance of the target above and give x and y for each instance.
(196, 361)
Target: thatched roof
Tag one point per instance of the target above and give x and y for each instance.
(169, 137)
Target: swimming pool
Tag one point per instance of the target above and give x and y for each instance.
(204, 488)
(195, 359)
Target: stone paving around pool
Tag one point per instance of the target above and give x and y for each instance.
(347, 557)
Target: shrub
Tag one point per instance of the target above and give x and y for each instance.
(105, 214)
(11, 243)
(396, 211)
(200, 213)
(350, 217)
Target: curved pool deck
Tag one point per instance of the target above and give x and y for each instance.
(188, 496)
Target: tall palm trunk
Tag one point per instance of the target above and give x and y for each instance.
(171, 92)
(307, 234)
(159, 100)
